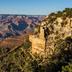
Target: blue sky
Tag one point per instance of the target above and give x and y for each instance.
(33, 7)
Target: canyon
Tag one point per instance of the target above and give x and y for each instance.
(15, 25)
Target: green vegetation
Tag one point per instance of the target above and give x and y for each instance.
(67, 68)
(62, 56)
(21, 60)
(67, 12)
(16, 61)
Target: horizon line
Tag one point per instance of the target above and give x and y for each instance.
(24, 14)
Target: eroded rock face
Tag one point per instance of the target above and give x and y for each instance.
(38, 45)
(58, 29)
(38, 42)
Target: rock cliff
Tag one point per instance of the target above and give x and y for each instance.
(54, 27)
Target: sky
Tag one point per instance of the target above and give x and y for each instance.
(33, 7)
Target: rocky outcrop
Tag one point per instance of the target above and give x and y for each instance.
(53, 28)
(61, 31)
(38, 42)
